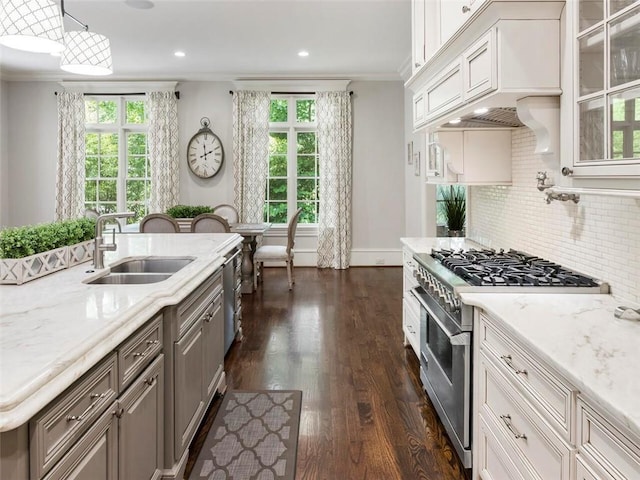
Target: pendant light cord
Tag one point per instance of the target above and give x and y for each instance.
(66, 14)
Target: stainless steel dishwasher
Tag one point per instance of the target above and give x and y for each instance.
(232, 297)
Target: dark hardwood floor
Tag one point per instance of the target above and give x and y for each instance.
(338, 337)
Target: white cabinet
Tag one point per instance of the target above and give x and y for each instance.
(606, 66)
(453, 15)
(473, 157)
(410, 305)
(512, 406)
(425, 29)
(606, 449)
(531, 423)
(479, 67)
(444, 91)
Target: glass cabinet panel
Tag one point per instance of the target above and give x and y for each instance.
(592, 129)
(624, 48)
(625, 125)
(591, 58)
(616, 5)
(590, 12)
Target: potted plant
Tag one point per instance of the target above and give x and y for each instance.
(32, 251)
(454, 210)
(184, 214)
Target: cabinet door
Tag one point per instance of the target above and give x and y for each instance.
(418, 30)
(94, 456)
(140, 430)
(445, 91)
(213, 348)
(188, 372)
(453, 13)
(487, 158)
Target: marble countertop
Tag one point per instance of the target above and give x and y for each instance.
(579, 336)
(55, 328)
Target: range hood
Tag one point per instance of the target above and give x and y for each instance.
(540, 114)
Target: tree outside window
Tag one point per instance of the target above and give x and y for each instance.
(117, 173)
(292, 181)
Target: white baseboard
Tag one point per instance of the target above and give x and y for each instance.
(359, 258)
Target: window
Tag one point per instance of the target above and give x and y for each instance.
(441, 218)
(292, 181)
(117, 176)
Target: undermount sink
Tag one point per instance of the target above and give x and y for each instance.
(130, 279)
(152, 265)
(138, 271)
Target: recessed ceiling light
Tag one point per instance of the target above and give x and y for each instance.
(141, 4)
(454, 121)
(480, 111)
(303, 53)
(179, 54)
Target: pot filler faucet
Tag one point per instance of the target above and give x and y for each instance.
(100, 247)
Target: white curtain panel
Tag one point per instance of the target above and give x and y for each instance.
(250, 153)
(333, 113)
(162, 140)
(70, 165)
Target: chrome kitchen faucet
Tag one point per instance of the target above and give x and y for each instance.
(100, 247)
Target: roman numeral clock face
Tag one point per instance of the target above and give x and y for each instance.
(205, 153)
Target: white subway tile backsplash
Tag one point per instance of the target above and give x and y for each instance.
(600, 236)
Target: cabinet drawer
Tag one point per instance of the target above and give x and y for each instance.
(614, 451)
(56, 428)
(542, 387)
(541, 453)
(190, 309)
(584, 471)
(411, 325)
(138, 351)
(493, 463)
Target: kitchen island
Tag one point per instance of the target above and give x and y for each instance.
(56, 329)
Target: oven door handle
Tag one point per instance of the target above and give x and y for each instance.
(463, 338)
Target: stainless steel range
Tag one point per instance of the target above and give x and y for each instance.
(446, 323)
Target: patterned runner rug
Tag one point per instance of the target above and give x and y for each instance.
(254, 437)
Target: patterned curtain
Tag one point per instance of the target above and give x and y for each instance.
(333, 113)
(70, 165)
(163, 150)
(250, 152)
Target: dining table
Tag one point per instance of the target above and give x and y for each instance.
(251, 233)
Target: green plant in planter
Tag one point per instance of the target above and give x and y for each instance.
(20, 242)
(188, 211)
(454, 208)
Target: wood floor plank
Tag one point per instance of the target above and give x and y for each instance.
(338, 337)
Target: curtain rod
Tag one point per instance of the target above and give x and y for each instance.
(128, 94)
(292, 93)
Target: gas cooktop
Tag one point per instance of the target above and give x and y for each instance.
(502, 270)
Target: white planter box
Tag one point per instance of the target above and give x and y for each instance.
(16, 271)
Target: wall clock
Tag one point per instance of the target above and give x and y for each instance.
(205, 154)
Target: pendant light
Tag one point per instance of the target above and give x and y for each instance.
(31, 25)
(86, 53)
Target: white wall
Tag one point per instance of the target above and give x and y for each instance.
(379, 161)
(4, 155)
(598, 236)
(32, 143)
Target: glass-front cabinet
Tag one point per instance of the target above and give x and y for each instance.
(607, 88)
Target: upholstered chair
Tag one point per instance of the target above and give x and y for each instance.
(277, 253)
(159, 223)
(227, 211)
(210, 223)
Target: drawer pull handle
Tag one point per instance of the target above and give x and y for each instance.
(151, 380)
(208, 317)
(507, 421)
(509, 361)
(153, 342)
(137, 354)
(78, 418)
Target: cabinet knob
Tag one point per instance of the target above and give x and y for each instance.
(466, 9)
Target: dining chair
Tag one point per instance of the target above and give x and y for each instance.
(227, 211)
(159, 223)
(277, 253)
(210, 223)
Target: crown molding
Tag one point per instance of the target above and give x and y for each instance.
(118, 87)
